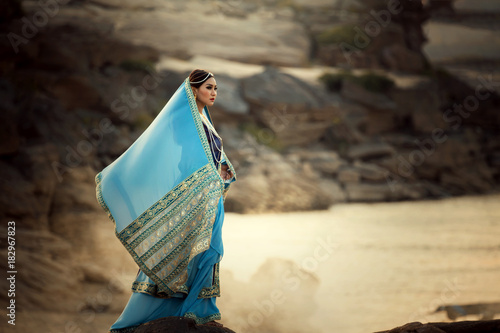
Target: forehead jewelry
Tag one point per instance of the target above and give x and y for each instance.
(206, 77)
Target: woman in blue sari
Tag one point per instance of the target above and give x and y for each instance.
(165, 195)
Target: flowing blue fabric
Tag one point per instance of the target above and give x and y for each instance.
(166, 198)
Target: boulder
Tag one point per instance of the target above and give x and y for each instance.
(230, 101)
(267, 189)
(296, 112)
(325, 162)
(333, 189)
(274, 86)
(349, 175)
(267, 181)
(178, 325)
(486, 326)
(370, 172)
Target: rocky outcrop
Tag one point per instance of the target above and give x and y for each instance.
(376, 34)
(180, 325)
(268, 181)
(58, 84)
(489, 326)
(295, 112)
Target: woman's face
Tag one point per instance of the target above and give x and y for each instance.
(207, 92)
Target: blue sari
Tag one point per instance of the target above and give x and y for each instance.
(166, 198)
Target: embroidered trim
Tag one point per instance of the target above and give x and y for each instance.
(201, 132)
(100, 198)
(163, 240)
(204, 320)
(207, 292)
(199, 125)
(147, 288)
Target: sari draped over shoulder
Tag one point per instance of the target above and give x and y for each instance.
(166, 198)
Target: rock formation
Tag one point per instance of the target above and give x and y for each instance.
(76, 90)
(178, 325)
(375, 34)
(489, 326)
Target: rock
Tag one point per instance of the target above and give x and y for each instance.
(274, 86)
(441, 8)
(75, 201)
(388, 191)
(486, 326)
(261, 191)
(467, 180)
(17, 197)
(367, 192)
(296, 112)
(370, 172)
(229, 99)
(45, 243)
(486, 311)
(9, 135)
(352, 44)
(399, 58)
(366, 151)
(415, 327)
(408, 191)
(52, 285)
(346, 129)
(322, 161)
(93, 273)
(75, 92)
(267, 181)
(280, 42)
(349, 175)
(178, 325)
(371, 100)
(333, 189)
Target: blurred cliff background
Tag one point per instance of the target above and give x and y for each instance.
(320, 103)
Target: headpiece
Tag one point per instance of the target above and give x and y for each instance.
(206, 77)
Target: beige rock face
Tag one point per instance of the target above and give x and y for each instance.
(296, 112)
(180, 29)
(267, 181)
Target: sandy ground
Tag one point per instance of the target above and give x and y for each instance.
(391, 262)
(356, 268)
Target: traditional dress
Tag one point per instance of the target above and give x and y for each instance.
(166, 198)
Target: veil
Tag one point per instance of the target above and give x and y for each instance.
(162, 193)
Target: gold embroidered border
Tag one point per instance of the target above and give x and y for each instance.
(207, 292)
(163, 247)
(204, 320)
(100, 198)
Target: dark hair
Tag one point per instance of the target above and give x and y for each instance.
(199, 76)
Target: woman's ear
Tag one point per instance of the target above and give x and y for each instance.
(195, 91)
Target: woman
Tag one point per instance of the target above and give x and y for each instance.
(166, 196)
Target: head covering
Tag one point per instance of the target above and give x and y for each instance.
(162, 193)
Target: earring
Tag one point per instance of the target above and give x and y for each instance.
(194, 95)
